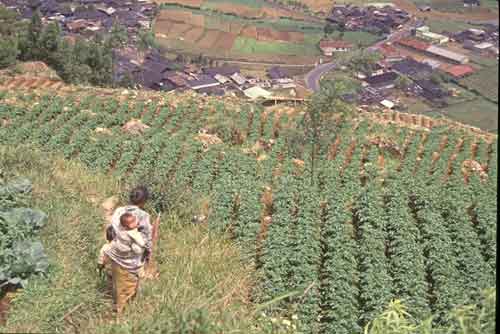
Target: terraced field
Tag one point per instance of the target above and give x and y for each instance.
(388, 211)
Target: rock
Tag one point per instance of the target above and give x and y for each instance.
(208, 139)
(4, 122)
(298, 163)
(103, 131)
(135, 127)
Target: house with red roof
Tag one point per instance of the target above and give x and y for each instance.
(458, 71)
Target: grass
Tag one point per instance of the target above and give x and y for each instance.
(478, 112)
(203, 285)
(440, 26)
(249, 3)
(484, 83)
(244, 45)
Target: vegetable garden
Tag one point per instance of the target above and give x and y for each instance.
(389, 213)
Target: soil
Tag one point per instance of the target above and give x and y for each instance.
(5, 301)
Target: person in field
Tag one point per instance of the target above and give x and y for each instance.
(131, 247)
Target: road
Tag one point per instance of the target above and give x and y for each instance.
(312, 78)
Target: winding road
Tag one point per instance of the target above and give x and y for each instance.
(313, 77)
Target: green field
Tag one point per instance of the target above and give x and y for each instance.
(440, 26)
(478, 112)
(484, 82)
(244, 45)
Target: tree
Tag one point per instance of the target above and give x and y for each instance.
(8, 50)
(146, 40)
(364, 61)
(31, 49)
(402, 82)
(117, 36)
(328, 29)
(48, 44)
(324, 111)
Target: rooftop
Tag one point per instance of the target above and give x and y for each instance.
(459, 71)
(414, 44)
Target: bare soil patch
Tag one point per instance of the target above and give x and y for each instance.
(225, 41)
(194, 34)
(209, 39)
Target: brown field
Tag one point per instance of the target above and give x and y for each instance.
(178, 29)
(181, 16)
(208, 40)
(225, 41)
(250, 32)
(265, 34)
(189, 3)
(193, 34)
(318, 5)
(239, 10)
(163, 27)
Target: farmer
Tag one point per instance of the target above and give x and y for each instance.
(127, 267)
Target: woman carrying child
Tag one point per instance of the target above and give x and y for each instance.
(131, 247)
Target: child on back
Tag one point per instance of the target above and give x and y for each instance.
(128, 238)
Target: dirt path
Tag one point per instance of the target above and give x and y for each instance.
(476, 15)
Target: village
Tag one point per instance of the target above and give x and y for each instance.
(414, 62)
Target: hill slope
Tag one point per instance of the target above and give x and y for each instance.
(390, 211)
(203, 284)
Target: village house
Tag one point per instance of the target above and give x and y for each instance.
(277, 72)
(472, 3)
(412, 68)
(226, 71)
(382, 81)
(202, 81)
(435, 51)
(458, 71)
(425, 34)
(328, 47)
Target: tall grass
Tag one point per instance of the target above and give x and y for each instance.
(203, 285)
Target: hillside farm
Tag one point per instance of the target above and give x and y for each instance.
(263, 36)
(396, 206)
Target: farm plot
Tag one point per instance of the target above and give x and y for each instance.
(230, 36)
(387, 213)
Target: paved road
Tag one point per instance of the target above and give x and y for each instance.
(313, 77)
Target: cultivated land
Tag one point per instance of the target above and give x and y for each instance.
(233, 31)
(399, 206)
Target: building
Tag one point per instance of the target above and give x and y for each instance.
(277, 72)
(434, 51)
(425, 34)
(472, 3)
(256, 92)
(458, 71)
(226, 71)
(238, 79)
(447, 55)
(203, 81)
(328, 47)
(482, 47)
(382, 81)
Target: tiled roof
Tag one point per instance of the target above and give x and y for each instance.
(459, 71)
